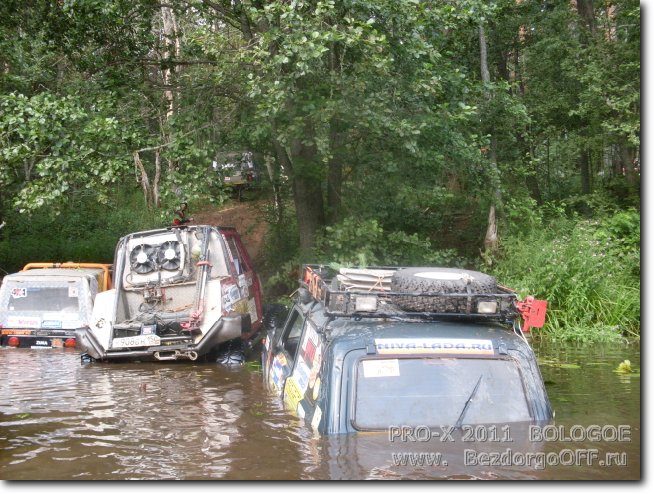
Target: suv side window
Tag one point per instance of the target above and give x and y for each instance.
(239, 263)
(291, 338)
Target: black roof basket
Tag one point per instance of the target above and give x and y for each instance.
(366, 292)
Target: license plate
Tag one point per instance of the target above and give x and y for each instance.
(140, 340)
(40, 343)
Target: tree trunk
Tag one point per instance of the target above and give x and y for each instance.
(491, 240)
(310, 213)
(273, 174)
(156, 196)
(485, 74)
(336, 142)
(532, 181)
(586, 11)
(171, 51)
(586, 187)
(335, 176)
(307, 192)
(169, 71)
(584, 169)
(243, 20)
(334, 187)
(144, 180)
(629, 161)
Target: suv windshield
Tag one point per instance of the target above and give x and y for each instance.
(436, 392)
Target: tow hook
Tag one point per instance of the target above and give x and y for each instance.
(176, 355)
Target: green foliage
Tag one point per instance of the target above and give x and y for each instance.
(365, 243)
(83, 231)
(624, 367)
(388, 92)
(588, 270)
(52, 147)
(281, 256)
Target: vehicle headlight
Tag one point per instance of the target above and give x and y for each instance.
(366, 304)
(487, 307)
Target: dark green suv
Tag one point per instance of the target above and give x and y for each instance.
(381, 348)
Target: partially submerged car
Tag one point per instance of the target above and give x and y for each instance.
(42, 305)
(180, 292)
(373, 349)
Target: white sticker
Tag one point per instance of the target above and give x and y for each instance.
(310, 335)
(19, 292)
(315, 366)
(72, 324)
(252, 309)
(317, 415)
(234, 294)
(316, 389)
(434, 345)
(23, 322)
(381, 368)
(51, 324)
(301, 374)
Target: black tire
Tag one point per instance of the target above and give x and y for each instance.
(439, 280)
(230, 353)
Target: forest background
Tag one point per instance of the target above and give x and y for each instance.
(499, 135)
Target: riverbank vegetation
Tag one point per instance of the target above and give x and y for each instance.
(502, 136)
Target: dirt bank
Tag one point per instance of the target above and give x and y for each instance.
(246, 217)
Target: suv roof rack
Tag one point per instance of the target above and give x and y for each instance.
(366, 292)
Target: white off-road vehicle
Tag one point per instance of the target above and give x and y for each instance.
(179, 293)
(42, 305)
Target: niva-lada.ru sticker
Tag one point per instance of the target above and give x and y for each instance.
(433, 345)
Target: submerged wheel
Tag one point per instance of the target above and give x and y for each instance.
(231, 353)
(439, 280)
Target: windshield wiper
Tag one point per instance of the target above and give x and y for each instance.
(468, 401)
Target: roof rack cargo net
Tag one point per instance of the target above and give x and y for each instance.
(409, 292)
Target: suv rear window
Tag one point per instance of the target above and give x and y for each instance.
(30, 298)
(433, 392)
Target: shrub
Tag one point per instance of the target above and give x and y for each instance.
(84, 231)
(366, 243)
(588, 270)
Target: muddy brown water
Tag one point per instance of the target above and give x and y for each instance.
(60, 419)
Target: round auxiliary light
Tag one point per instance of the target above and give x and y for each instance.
(69, 343)
(13, 341)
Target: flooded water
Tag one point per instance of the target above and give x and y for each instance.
(60, 419)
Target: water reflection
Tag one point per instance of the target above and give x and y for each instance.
(132, 421)
(505, 453)
(63, 420)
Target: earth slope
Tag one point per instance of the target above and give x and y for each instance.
(246, 217)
